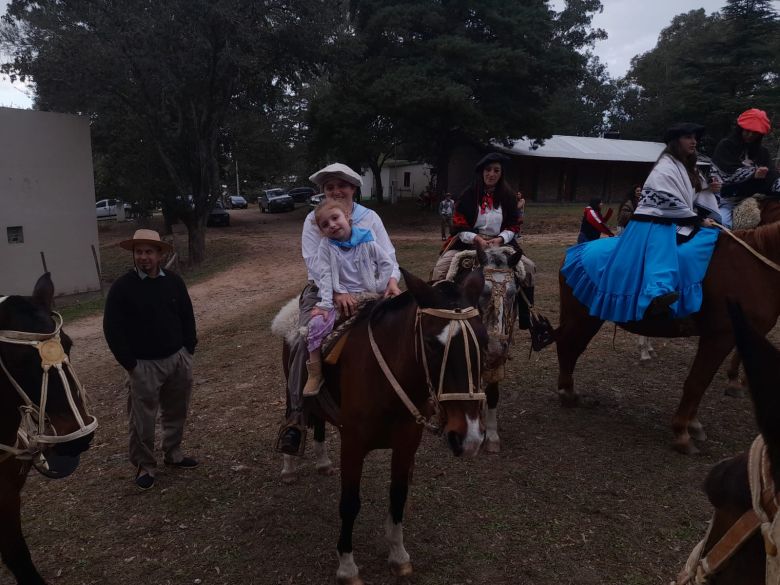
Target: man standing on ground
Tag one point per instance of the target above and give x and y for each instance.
(150, 328)
(446, 209)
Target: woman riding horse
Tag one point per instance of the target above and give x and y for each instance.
(486, 214)
(338, 182)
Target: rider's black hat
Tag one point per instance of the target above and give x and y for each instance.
(491, 157)
(683, 129)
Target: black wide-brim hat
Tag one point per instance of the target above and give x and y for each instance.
(491, 157)
(683, 129)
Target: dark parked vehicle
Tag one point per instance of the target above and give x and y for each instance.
(237, 202)
(315, 200)
(275, 200)
(218, 216)
(301, 194)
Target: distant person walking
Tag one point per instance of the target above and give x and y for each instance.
(628, 207)
(446, 209)
(150, 328)
(593, 223)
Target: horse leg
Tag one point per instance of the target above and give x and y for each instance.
(492, 441)
(400, 474)
(709, 355)
(13, 548)
(644, 349)
(352, 457)
(289, 469)
(572, 338)
(736, 385)
(322, 462)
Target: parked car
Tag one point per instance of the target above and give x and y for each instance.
(107, 207)
(315, 200)
(237, 202)
(275, 200)
(218, 216)
(301, 194)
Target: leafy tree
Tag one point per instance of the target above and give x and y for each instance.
(174, 71)
(705, 68)
(435, 73)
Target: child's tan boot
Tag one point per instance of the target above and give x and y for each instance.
(314, 382)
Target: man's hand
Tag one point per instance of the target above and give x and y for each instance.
(345, 303)
(761, 172)
(392, 289)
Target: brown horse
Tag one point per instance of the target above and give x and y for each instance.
(733, 273)
(403, 356)
(733, 552)
(43, 420)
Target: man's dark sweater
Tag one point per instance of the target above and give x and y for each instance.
(148, 318)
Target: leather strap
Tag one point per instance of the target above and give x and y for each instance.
(748, 247)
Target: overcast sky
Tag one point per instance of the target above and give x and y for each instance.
(632, 26)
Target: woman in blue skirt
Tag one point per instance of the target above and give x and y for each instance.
(656, 267)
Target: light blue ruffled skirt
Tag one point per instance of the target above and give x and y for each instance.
(616, 278)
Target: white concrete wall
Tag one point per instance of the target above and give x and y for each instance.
(47, 188)
(393, 181)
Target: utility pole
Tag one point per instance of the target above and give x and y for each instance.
(238, 191)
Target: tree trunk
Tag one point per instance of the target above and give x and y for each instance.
(196, 240)
(377, 170)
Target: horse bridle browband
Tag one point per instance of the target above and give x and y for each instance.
(437, 396)
(761, 517)
(33, 427)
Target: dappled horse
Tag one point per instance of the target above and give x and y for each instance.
(735, 273)
(740, 547)
(404, 360)
(43, 419)
(497, 307)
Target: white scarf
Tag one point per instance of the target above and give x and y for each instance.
(667, 192)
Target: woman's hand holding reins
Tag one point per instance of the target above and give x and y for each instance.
(495, 242)
(345, 303)
(392, 289)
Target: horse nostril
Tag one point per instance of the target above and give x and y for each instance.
(456, 443)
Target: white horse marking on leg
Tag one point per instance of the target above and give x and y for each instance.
(347, 567)
(289, 471)
(394, 533)
(474, 437)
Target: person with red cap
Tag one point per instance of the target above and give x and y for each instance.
(744, 163)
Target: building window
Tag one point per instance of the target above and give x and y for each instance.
(15, 235)
(407, 179)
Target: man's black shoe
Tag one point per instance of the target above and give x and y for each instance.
(144, 481)
(185, 463)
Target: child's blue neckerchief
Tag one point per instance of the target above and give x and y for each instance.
(359, 236)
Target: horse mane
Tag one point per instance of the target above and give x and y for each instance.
(765, 238)
(378, 309)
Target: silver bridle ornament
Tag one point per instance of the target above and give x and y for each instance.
(32, 433)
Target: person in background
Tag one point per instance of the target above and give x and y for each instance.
(744, 164)
(593, 223)
(150, 328)
(628, 207)
(520, 206)
(446, 209)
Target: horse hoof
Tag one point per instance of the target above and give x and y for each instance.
(350, 581)
(326, 469)
(686, 448)
(568, 399)
(492, 446)
(588, 401)
(401, 569)
(735, 390)
(697, 433)
(289, 477)
(645, 357)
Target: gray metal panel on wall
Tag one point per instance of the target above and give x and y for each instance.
(47, 188)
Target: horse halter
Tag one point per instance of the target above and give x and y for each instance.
(502, 330)
(32, 434)
(457, 317)
(761, 517)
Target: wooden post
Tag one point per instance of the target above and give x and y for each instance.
(43, 261)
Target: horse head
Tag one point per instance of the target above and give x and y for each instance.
(743, 489)
(496, 302)
(44, 418)
(451, 339)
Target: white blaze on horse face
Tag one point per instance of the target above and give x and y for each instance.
(445, 333)
(347, 567)
(474, 437)
(394, 533)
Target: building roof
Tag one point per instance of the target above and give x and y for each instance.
(586, 148)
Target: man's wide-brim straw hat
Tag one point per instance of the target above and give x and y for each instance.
(150, 237)
(338, 171)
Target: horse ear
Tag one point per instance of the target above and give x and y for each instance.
(481, 256)
(514, 259)
(473, 285)
(762, 367)
(43, 293)
(423, 293)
